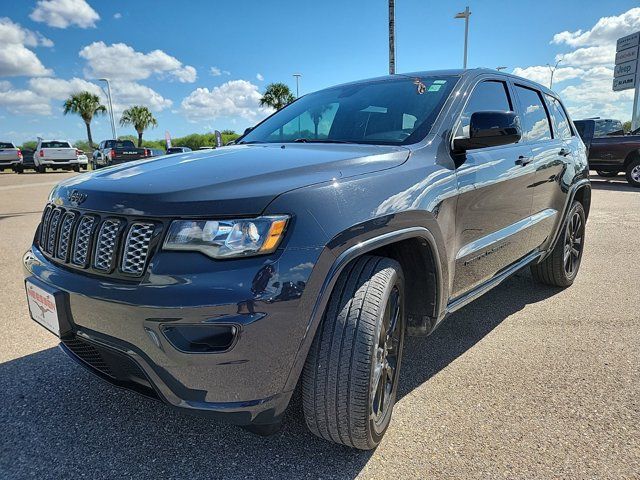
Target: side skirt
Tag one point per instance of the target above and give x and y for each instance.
(463, 300)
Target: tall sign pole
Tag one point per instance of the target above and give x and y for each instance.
(626, 72)
(466, 14)
(392, 37)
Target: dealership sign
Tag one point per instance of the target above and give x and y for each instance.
(626, 66)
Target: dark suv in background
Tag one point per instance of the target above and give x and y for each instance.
(218, 281)
(610, 151)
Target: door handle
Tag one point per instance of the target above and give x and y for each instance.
(522, 160)
(564, 152)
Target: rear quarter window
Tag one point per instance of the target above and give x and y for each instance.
(6, 145)
(535, 122)
(559, 120)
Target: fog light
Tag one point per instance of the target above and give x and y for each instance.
(199, 338)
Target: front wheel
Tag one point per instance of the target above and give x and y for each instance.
(561, 266)
(633, 173)
(606, 174)
(350, 378)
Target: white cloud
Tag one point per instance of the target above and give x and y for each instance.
(45, 95)
(236, 98)
(216, 72)
(15, 57)
(64, 13)
(587, 69)
(121, 62)
(259, 76)
(606, 30)
(117, 15)
(589, 56)
(18, 101)
(542, 74)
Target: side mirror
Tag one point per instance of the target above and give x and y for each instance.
(490, 129)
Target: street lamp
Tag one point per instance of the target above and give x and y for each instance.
(553, 70)
(108, 93)
(297, 75)
(466, 14)
(501, 68)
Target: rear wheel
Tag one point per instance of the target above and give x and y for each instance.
(351, 375)
(41, 169)
(76, 168)
(605, 174)
(19, 169)
(561, 267)
(633, 173)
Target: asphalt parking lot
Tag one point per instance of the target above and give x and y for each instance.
(527, 382)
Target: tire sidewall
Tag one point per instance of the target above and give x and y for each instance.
(577, 207)
(631, 166)
(397, 279)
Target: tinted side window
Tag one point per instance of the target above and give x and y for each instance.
(561, 128)
(605, 128)
(487, 96)
(535, 123)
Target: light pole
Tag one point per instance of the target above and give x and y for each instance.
(466, 14)
(113, 123)
(392, 37)
(553, 70)
(501, 68)
(297, 75)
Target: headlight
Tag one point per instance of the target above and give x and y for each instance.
(227, 238)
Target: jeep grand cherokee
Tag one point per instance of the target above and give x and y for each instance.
(219, 280)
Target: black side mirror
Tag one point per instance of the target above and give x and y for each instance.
(490, 129)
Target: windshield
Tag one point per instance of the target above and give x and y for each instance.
(387, 112)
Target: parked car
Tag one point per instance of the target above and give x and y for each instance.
(57, 155)
(27, 161)
(305, 253)
(10, 157)
(83, 160)
(115, 152)
(610, 150)
(172, 150)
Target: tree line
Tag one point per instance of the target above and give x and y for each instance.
(87, 105)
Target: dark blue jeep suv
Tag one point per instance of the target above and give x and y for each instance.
(218, 281)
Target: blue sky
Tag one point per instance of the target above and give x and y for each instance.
(202, 65)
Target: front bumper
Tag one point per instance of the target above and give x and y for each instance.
(126, 321)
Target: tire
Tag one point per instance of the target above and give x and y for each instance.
(349, 352)
(633, 173)
(41, 169)
(557, 269)
(19, 169)
(76, 168)
(605, 174)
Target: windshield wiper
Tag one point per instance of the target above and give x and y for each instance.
(242, 142)
(319, 140)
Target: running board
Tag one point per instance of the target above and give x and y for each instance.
(485, 287)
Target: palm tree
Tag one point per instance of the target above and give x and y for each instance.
(140, 117)
(277, 95)
(85, 104)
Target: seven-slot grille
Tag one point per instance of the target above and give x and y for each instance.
(85, 240)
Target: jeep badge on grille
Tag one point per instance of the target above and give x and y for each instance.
(76, 197)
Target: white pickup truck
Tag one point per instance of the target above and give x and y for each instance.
(58, 155)
(10, 157)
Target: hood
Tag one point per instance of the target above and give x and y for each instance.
(234, 180)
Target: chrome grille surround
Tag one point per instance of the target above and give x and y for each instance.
(82, 241)
(136, 248)
(66, 229)
(111, 245)
(52, 234)
(106, 244)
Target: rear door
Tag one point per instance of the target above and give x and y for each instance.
(607, 144)
(495, 196)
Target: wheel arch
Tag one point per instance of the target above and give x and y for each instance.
(399, 245)
(631, 156)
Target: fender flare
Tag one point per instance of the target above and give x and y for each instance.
(336, 269)
(570, 197)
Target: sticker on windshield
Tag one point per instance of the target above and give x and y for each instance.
(434, 88)
(439, 82)
(421, 86)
